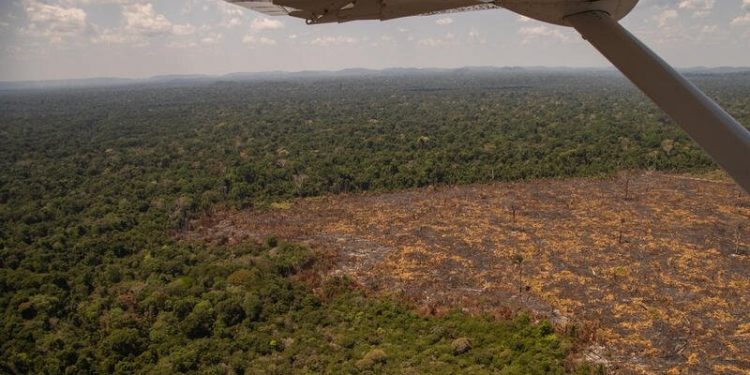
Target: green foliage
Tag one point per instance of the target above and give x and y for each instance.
(123, 344)
(372, 358)
(461, 345)
(188, 324)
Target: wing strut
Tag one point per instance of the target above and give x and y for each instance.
(720, 135)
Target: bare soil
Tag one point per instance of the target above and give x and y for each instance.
(658, 281)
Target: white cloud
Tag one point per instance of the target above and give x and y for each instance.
(140, 22)
(447, 39)
(431, 42)
(115, 36)
(444, 21)
(212, 39)
(232, 15)
(475, 37)
(664, 17)
(531, 33)
(100, 2)
(258, 40)
(742, 20)
(53, 22)
(182, 45)
(709, 29)
(333, 41)
(141, 19)
(233, 22)
(260, 24)
(745, 18)
(182, 30)
(700, 8)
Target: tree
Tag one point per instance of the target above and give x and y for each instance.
(518, 261)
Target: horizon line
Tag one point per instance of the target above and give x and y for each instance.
(292, 72)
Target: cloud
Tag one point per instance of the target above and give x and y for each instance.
(745, 18)
(115, 36)
(207, 39)
(258, 40)
(182, 45)
(444, 21)
(260, 24)
(100, 2)
(53, 22)
(709, 29)
(141, 19)
(333, 41)
(447, 39)
(183, 30)
(474, 37)
(741, 20)
(531, 33)
(700, 8)
(140, 22)
(233, 22)
(212, 38)
(232, 15)
(665, 17)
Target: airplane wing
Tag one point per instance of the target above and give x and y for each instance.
(263, 6)
(327, 11)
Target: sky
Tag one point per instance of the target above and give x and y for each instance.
(63, 39)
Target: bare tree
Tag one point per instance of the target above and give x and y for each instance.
(627, 176)
(518, 261)
(627, 186)
(738, 229)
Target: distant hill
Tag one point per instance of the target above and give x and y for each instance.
(65, 83)
(351, 72)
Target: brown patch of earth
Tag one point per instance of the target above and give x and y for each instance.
(658, 280)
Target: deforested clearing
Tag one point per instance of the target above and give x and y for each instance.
(650, 268)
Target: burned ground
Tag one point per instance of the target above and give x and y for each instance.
(657, 280)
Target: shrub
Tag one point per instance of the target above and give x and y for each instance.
(240, 277)
(373, 357)
(125, 342)
(461, 345)
(230, 312)
(199, 323)
(272, 242)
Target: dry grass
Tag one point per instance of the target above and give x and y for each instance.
(657, 280)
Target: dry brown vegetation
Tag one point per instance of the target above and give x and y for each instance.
(656, 280)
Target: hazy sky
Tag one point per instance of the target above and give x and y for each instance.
(51, 39)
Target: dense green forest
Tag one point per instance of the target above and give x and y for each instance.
(94, 183)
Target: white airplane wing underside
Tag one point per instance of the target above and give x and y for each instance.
(263, 6)
(326, 11)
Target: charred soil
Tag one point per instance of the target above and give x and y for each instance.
(650, 268)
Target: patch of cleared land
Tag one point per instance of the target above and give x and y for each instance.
(659, 281)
